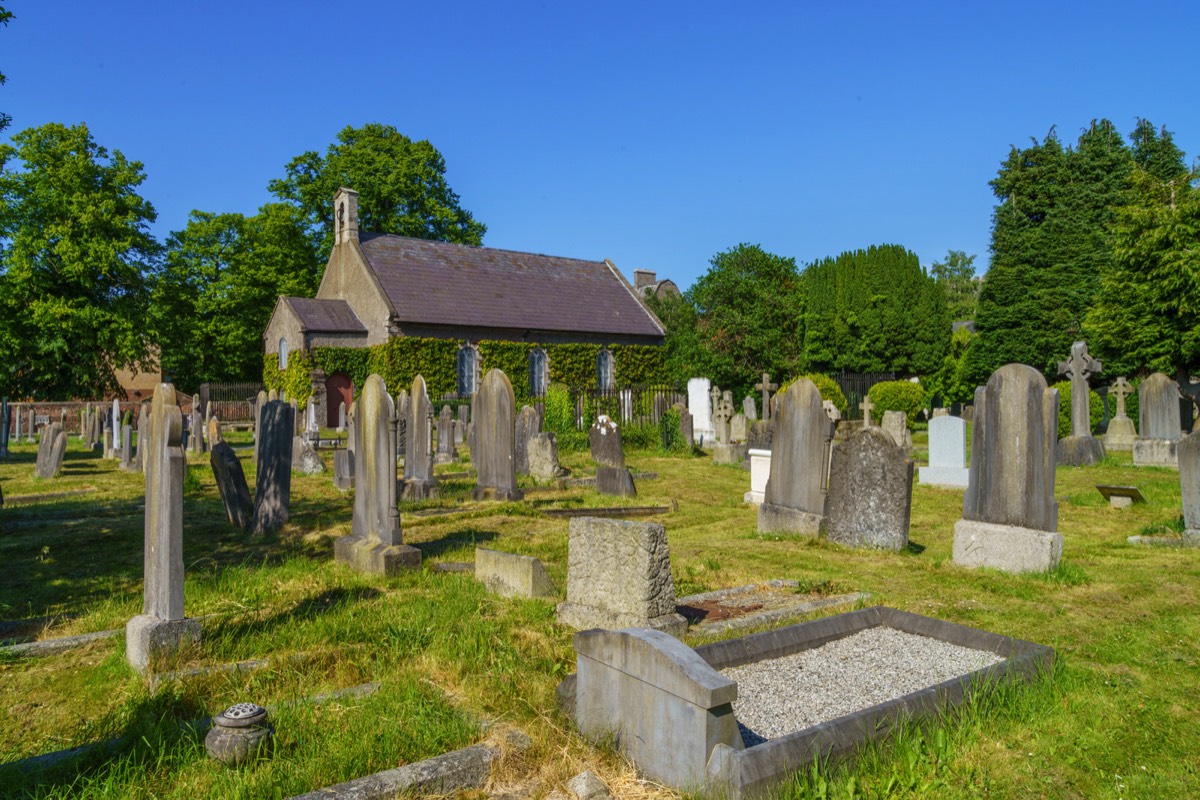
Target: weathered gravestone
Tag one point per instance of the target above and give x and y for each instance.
(161, 630)
(1159, 424)
(543, 457)
(375, 544)
(512, 575)
(196, 428)
(461, 423)
(343, 460)
(723, 450)
(52, 448)
(699, 404)
(749, 408)
(261, 400)
(1010, 516)
(446, 452)
(143, 436)
(401, 424)
(213, 427)
(686, 427)
(612, 476)
(1120, 434)
(114, 442)
(1188, 451)
(794, 501)
(947, 453)
(419, 483)
(529, 424)
(619, 576)
(1080, 448)
(867, 406)
(305, 458)
(739, 429)
(341, 426)
(895, 425)
(128, 461)
(870, 492)
(494, 453)
(273, 482)
(97, 436)
(231, 485)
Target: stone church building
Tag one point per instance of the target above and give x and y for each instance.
(380, 286)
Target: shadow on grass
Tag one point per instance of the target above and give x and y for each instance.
(467, 537)
(306, 609)
(914, 549)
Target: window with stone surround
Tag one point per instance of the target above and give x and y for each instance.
(606, 379)
(283, 352)
(539, 372)
(468, 370)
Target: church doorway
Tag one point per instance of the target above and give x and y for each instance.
(338, 389)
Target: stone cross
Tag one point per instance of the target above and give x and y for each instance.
(1080, 366)
(867, 407)
(766, 387)
(1120, 390)
(722, 414)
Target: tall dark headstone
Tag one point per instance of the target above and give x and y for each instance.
(273, 481)
(794, 500)
(232, 486)
(494, 455)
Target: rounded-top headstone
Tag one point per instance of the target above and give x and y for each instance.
(1158, 408)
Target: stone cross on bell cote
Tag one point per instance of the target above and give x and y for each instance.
(1080, 366)
(766, 387)
(1120, 390)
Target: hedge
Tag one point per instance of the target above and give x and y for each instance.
(826, 385)
(903, 396)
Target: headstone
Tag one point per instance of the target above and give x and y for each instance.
(794, 501)
(343, 470)
(947, 454)
(312, 430)
(128, 462)
(419, 483)
(612, 476)
(305, 458)
(700, 408)
(143, 436)
(273, 481)
(341, 426)
(724, 452)
(543, 457)
(619, 576)
(867, 406)
(402, 404)
(4, 428)
(115, 440)
(760, 472)
(196, 440)
(749, 408)
(739, 429)
(52, 448)
(296, 418)
(870, 492)
(1159, 426)
(895, 425)
(446, 452)
(1120, 434)
(512, 575)
(161, 630)
(17, 414)
(231, 485)
(1188, 451)
(941, 412)
(1080, 448)
(766, 387)
(375, 544)
(626, 398)
(32, 426)
(1010, 516)
(494, 453)
(529, 424)
(686, 425)
(262, 399)
(214, 431)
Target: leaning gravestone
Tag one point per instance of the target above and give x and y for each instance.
(794, 501)
(1188, 451)
(1010, 516)
(231, 485)
(529, 424)
(161, 630)
(213, 427)
(273, 481)
(612, 476)
(446, 452)
(143, 436)
(1159, 424)
(52, 448)
(419, 483)
(1120, 434)
(619, 576)
(947, 454)
(374, 544)
(543, 457)
(870, 492)
(1080, 448)
(494, 453)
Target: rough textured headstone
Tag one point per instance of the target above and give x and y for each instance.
(1080, 448)
(870, 492)
(895, 425)
(494, 453)
(947, 454)
(543, 457)
(612, 476)
(699, 404)
(375, 544)
(213, 431)
(619, 576)
(231, 485)
(794, 501)
(1009, 512)
(143, 436)
(52, 448)
(260, 401)
(419, 483)
(512, 575)
(1120, 434)
(722, 414)
(529, 424)
(305, 458)
(1188, 451)
(1159, 426)
(273, 481)
(128, 461)
(161, 630)
(446, 452)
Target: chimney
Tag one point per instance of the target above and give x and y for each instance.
(643, 279)
(345, 216)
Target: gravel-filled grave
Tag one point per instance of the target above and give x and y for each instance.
(783, 695)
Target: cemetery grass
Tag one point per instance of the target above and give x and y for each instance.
(1118, 716)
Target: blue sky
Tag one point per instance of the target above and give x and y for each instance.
(654, 134)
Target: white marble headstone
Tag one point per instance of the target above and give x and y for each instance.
(947, 453)
(700, 406)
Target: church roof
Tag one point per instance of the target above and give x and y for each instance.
(325, 316)
(437, 283)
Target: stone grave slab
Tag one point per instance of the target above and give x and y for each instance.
(512, 575)
(1120, 496)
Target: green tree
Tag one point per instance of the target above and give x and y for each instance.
(748, 310)
(686, 355)
(75, 253)
(956, 276)
(222, 276)
(5, 16)
(401, 183)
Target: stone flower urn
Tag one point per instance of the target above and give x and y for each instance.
(239, 733)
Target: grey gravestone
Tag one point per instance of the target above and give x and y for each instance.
(401, 425)
(529, 423)
(17, 436)
(494, 453)
(296, 417)
(143, 436)
(213, 431)
(739, 428)
(1010, 516)
(305, 458)
(1188, 451)
(1159, 424)
(766, 387)
(947, 454)
(419, 483)
(260, 401)
(273, 481)
(749, 408)
(612, 476)
(722, 415)
(114, 441)
(128, 462)
(685, 425)
(543, 457)
(52, 448)
(343, 470)
(341, 426)
(1120, 434)
(231, 485)
(619, 576)
(895, 425)
(196, 429)
(1080, 448)
(870, 492)
(446, 453)
(375, 544)
(794, 501)
(867, 406)
(161, 630)
(512, 575)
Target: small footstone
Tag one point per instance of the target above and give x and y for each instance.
(587, 786)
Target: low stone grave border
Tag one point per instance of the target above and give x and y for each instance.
(1164, 541)
(46, 647)
(611, 511)
(575, 482)
(759, 618)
